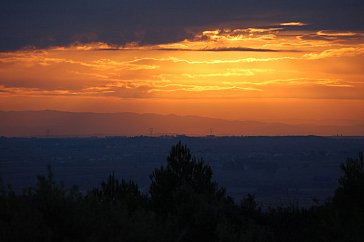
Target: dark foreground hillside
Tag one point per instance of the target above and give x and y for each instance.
(183, 203)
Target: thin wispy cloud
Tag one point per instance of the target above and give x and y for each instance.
(295, 24)
(243, 49)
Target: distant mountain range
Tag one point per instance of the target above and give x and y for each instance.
(58, 123)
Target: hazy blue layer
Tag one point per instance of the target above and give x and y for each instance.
(279, 170)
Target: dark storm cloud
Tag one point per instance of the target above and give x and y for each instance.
(224, 49)
(43, 23)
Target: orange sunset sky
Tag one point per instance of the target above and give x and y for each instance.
(289, 71)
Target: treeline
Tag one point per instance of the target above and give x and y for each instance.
(183, 204)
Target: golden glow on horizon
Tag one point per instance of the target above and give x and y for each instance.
(224, 68)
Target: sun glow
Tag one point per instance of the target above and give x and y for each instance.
(215, 73)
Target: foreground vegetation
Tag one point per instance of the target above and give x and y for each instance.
(183, 204)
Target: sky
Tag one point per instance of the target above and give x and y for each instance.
(281, 61)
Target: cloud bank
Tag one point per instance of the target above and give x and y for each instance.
(44, 23)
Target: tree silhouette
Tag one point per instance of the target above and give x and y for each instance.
(187, 199)
(349, 200)
(183, 176)
(185, 204)
(350, 192)
(114, 192)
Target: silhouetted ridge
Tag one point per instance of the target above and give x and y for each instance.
(56, 123)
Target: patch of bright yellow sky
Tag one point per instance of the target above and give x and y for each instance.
(279, 73)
